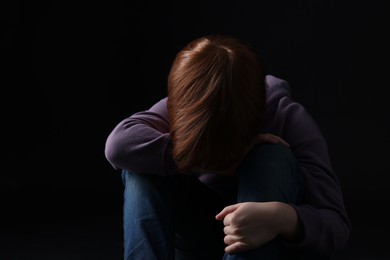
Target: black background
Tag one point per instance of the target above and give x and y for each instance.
(71, 70)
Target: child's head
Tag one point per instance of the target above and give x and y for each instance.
(216, 102)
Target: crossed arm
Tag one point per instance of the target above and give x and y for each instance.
(141, 143)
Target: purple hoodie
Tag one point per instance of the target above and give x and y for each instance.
(141, 143)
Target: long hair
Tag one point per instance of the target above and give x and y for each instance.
(216, 102)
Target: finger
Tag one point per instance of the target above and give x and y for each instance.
(229, 239)
(266, 138)
(270, 138)
(236, 247)
(281, 141)
(227, 210)
(229, 230)
(228, 219)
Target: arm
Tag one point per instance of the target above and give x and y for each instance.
(325, 224)
(141, 142)
(320, 224)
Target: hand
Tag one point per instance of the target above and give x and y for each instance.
(270, 138)
(249, 225)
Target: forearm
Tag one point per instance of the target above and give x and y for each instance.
(323, 230)
(324, 222)
(290, 225)
(141, 143)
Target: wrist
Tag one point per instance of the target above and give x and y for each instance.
(290, 225)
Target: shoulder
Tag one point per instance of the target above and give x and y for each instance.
(276, 89)
(160, 108)
(283, 113)
(288, 118)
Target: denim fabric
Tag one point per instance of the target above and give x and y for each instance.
(173, 217)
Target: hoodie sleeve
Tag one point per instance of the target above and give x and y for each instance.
(322, 214)
(141, 142)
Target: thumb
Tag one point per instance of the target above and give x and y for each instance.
(229, 209)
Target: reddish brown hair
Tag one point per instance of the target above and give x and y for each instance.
(216, 102)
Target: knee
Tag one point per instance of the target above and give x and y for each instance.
(134, 183)
(270, 172)
(130, 177)
(271, 161)
(139, 184)
(270, 153)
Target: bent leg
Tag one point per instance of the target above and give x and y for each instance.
(269, 172)
(198, 235)
(148, 216)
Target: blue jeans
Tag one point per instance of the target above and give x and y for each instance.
(173, 217)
